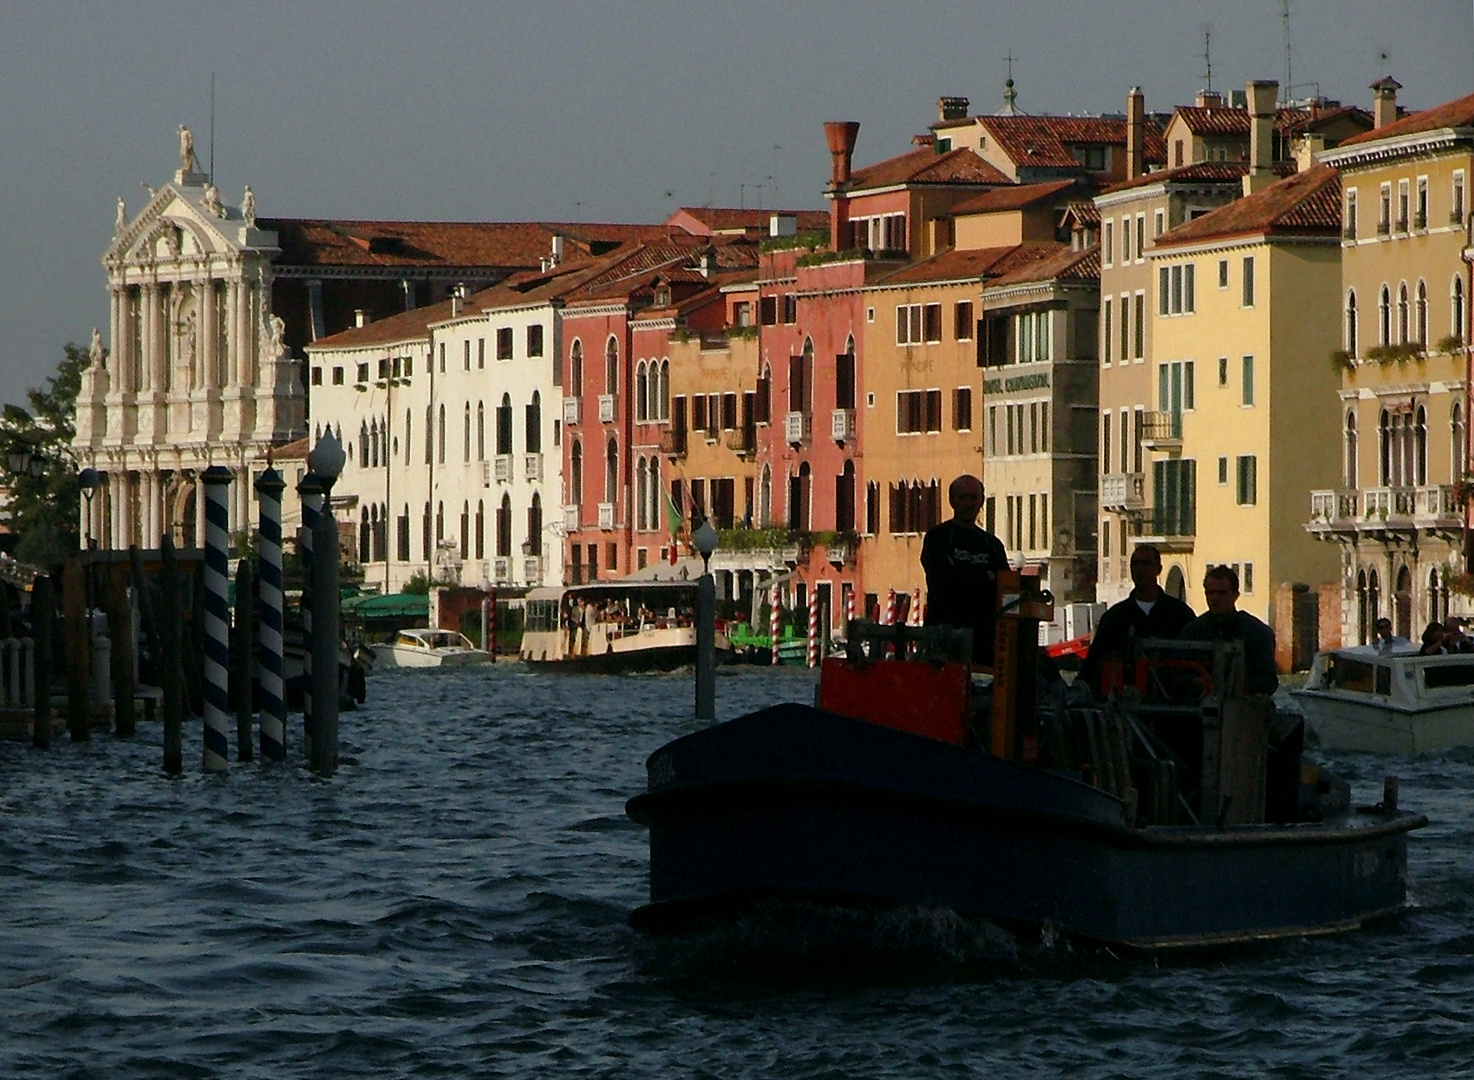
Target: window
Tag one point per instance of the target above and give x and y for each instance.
(316, 375)
(932, 322)
(363, 370)
(338, 372)
(480, 353)
(575, 368)
(1351, 322)
(1105, 443)
(1384, 316)
(918, 411)
(1141, 237)
(1420, 315)
(1456, 210)
(962, 409)
(962, 324)
(1223, 273)
(1247, 493)
(1384, 211)
(535, 340)
(1248, 298)
(1456, 307)
(1138, 338)
(909, 326)
(1246, 579)
(1105, 331)
(1125, 352)
(1223, 471)
(767, 310)
(1175, 387)
(466, 433)
(504, 425)
(1159, 220)
(1349, 215)
(1247, 397)
(1223, 371)
(790, 309)
(1420, 208)
(611, 366)
(1107, 244)
(1402, 313)
(1350, 470)
(1126, 239)
(1402, 205)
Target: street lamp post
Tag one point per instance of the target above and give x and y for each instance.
(90, 480)
(705, 539)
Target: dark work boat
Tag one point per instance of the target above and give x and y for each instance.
(1141, 824)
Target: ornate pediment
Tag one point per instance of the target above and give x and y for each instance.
(185, 222)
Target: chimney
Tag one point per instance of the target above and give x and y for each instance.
(1384, 101)
(1261, 94)
(557, 249)
(951, 108)
(1209, 99)
(457, 300)
(841, 136)
(1309, 144)
(360, 317)
(1135, 133)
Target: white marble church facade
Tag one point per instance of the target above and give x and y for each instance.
(197, 374)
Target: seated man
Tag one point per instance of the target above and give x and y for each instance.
(1386, 640)
(1149, 612)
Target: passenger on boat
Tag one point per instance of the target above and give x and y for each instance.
(1454, 638)
(1433, 640)
(1149, 612)
(1223, 621)
(962, 561)
(1386, 639)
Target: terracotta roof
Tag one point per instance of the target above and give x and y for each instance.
(1199, 172)
(970, 263)
(1041, 141)
(1451, 114)
(318, 242)
(1085, 212)
(1013, 197)
(1234, 120)
(1307, 203)
(727, 219)
(1315, 119)
(1066, 265)
(926, 166)
(404, 326)
(634, 270)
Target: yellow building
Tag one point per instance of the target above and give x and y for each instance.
(1394, 515)
(1242, 426)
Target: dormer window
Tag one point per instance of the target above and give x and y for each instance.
(662, 296)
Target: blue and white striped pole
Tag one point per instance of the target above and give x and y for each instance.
(217, 480)
(310, 490)
(269, 487)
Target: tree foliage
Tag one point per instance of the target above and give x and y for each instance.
(43, 499)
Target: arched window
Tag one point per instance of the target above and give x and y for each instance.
(1457, 448)
(1373, 598)
(427, 540)
(1362, 622)
(1420, 448)
(799, 486)
(439, 522)
(642, 517)
(429, 433)
(440, 435)
(1402, 314)
(363, 534)
(844, 497)
(465, 530)
(504, 527)
(642, 394)
(611, 366)
(466, 433)
(1351, 322)
(1420, 315)
(1384, 448)
(765, 498)
(662, 397)
(611, 472)
(480, 431)
(1456, 307)
(1384, 317)
(535, 525)
(480, 529)
(504, 425)
(655, 495)
(575, 474)
(533, 437)
(575, 368)
(1350, 447)
(407, 415)
(363, 446)
(1432, 615)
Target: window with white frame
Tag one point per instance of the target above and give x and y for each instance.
(1456, 199)
(1176, 288)
(1246, 396)
(1403, 198)
(1247, 492)
(1141, 237)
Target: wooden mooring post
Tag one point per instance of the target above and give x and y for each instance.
(79, 648)
(43, 615)
(242, 647)
(120, 630)
(171, 672)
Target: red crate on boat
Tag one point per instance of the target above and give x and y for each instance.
(925, 699)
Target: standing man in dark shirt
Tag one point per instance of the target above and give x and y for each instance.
(962, 561)
(1223, 621)
(1149, 612)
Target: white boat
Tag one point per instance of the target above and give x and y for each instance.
(429, 648)
(1361, 698)
(610, 627)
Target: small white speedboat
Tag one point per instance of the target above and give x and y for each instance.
(1361, 698)
(419, 648)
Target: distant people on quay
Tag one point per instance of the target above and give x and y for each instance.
(1149, 612)
(962, 560)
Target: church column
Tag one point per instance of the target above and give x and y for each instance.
(149, 505)
(118, 361)
(209, 335)
(199, 510)
(148, 319)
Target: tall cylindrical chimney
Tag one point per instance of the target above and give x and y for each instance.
(1384, 101)
(1261, 95)
(841, 136)
(1135, 133)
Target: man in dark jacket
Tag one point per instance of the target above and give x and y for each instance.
(1149, 612)
(962, 561)
(1223, 621)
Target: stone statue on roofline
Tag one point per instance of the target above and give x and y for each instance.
(248, 207)
(95, 355)
(211, 201)
(120, 222)
(276, 330)
(188, 162)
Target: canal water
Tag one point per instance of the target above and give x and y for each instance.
(453, 904)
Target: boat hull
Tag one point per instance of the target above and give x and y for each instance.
(1344, 724)
(390, 656)
(793, 803)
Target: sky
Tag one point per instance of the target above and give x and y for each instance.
(559, 110)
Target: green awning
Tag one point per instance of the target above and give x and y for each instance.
(390, 606)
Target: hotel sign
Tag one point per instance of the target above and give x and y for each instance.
(1018, 382)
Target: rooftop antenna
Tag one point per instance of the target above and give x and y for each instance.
(212, 127)
(1285, 9)
(1208, 56)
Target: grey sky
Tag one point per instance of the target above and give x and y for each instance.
(616, 111)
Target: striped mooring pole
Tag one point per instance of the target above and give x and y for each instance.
(269, 487)
(310, 490)
(915, 619)
(775, 620)
(814, 628)
(217, 480)
(890, 608)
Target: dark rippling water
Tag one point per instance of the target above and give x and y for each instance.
(453, 904)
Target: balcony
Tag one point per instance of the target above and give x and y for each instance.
(502, 468)
(606, 408)
(1383, 227)
(842, 424)
(795, 428)
(606, 516)
(1377, 511)
(742, 441)
(532, 467)
(1333, 507)
(570, 519)
(1402, 224)
(1162, 431)
(532, 569)
(673, 444)
(572, 410)
(1171, 529)
(1123, 491)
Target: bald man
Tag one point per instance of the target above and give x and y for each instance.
(962, 561)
